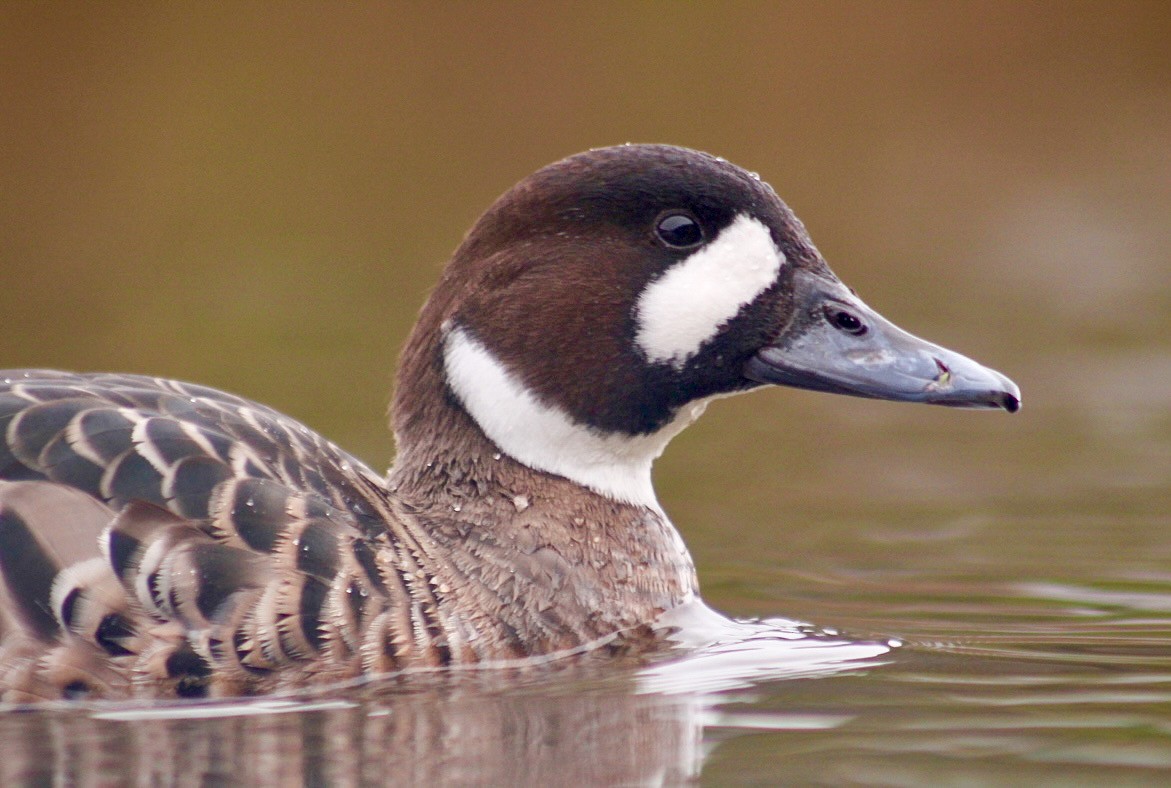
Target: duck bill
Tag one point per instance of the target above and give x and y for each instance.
(835, 343)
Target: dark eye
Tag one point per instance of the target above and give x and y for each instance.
(844, 321)
(679, 230)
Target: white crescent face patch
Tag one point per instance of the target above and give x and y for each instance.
(681, 311)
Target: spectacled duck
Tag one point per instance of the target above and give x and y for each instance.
(162, 539)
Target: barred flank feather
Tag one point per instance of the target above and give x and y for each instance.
(163, 538)
(160, 539)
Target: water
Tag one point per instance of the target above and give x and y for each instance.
(999, 682)
(590, 724)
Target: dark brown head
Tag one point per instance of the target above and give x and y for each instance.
(596, 307)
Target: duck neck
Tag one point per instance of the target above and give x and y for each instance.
(459, 474)
(597, 561)
(600, 564)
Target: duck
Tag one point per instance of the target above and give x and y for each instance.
(161, 539)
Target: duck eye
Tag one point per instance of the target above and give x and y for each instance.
(679, 230)
(844, 321)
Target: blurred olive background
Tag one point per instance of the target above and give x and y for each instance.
(259, 196)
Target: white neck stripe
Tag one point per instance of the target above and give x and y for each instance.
(546, 438)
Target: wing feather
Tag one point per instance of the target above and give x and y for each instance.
(156, 534)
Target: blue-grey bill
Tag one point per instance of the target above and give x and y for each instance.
(836, 343)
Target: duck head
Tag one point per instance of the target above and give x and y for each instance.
(598, 305)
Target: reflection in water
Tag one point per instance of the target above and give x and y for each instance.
(1046, 700)
(1083, 688)
(590, 727)
(418, 739)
